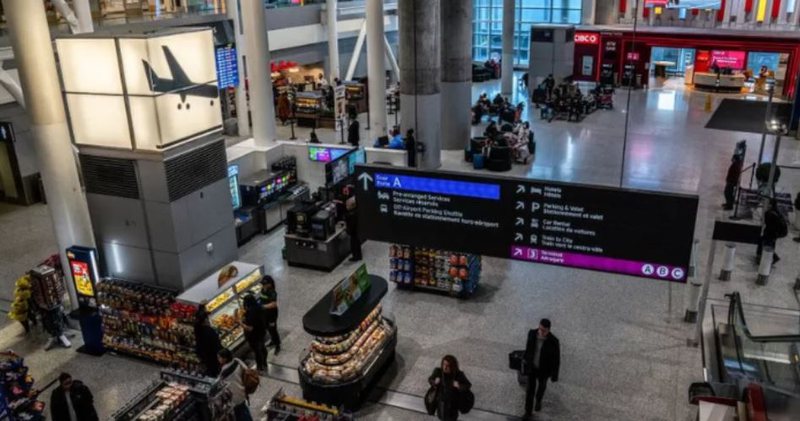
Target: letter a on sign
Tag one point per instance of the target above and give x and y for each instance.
(396, 182)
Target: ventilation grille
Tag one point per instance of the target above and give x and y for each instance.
(196, 169)
(109, 176)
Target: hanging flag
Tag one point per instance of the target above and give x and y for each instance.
(776, 9)
(721, 11)
(623, 6)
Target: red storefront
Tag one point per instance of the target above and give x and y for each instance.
(618, 48)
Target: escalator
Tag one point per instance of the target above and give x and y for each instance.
(759, 345)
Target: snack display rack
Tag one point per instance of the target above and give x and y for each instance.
(224, 302)
(356, 94)
(349, 352)
(47, 285)
(145, 321)
(289, 408)
(308, 108)
(177, 396)
(446, 272)
(18, 399)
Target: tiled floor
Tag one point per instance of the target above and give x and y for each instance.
(624, 356)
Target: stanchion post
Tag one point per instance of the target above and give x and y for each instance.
(693, 287)
(729, 262)
(701, 307)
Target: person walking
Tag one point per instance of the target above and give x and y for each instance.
(354, 131)
(269, 302)
(207, 342)
(732, 181)
(72, 401)
(255, 330)
(284, 108)
(542, 359)
(411, 148)
(232, 373)
(449, 382)
(775, 227)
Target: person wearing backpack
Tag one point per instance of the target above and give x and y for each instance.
(449, 386)
(237, 375)
(775, 227)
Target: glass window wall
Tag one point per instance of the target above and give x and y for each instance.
(488, 24)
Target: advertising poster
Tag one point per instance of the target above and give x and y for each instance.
(349, 290)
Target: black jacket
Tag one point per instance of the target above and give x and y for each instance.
(448, 396)
(550, 360)
(82, 402)
(207, 346)
(353, 135)
(255, 317)
(773, 224)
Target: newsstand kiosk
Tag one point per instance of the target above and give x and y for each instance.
(353, 345)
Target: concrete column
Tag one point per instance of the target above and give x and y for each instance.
(333, 41)
(235, 15)
(33, 51)
(376, 70)
(456, 73)
(507, 67)
(262, 106)
(420, 73)
(83, 11)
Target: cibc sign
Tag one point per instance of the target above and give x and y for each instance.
(592, 38)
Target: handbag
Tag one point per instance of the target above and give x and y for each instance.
(515, 360)
(431, 400)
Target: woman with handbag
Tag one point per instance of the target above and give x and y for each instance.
(449, 386)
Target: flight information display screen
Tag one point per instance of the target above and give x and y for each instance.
(624, 231)
(227, 68)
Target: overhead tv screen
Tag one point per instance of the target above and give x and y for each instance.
(685, 4)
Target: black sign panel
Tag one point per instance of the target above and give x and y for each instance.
(624, 231)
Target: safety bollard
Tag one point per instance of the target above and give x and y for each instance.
(728, 263)
(694, 287)
(765, 267)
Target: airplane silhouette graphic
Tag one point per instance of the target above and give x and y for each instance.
(180, 83)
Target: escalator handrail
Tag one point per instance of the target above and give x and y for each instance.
(736, 302)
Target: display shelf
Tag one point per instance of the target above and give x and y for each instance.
(349, 350)
(18, 399)
(146, 322)
(282, 407)
(224, 302)
(178, 396)
(438, 271)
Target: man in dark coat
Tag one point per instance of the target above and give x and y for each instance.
(353, 132)
(72, 401)
(411, 148)
(732, 181)
(541, 361)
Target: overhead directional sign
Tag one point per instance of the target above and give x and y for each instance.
(632, 232)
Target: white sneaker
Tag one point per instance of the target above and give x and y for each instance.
(64, 341)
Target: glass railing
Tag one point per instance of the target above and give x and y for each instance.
(767, 346)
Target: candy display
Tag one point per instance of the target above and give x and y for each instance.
(289, 408)
(147, 322)
(452, 273)
(178, 396)
(47, 285)
(22, 308)
(18, 398)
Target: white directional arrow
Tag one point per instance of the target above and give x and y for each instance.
(518, 237)
(520, 188)
(520, 205)
(366, 178)
(520, 221)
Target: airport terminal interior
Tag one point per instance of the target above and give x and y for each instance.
(399, 210)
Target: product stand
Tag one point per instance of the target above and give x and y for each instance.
(224, 303)
(350, 351)
(437, 271)
(178, 396)
(288, 408)
(16, 403)
(311, 253)
(145, 322)
(308, 108)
